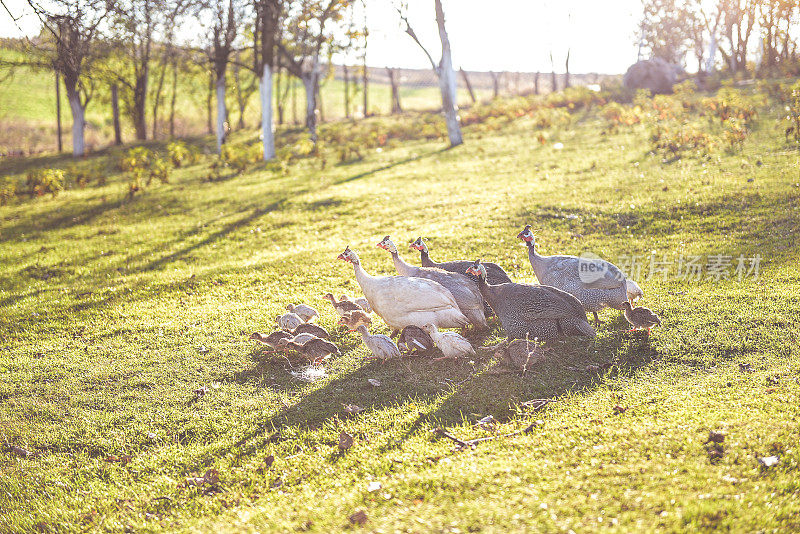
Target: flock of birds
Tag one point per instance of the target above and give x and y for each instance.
(458, 294)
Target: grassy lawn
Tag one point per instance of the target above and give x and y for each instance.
(113, 311)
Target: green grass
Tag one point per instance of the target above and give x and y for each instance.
(114, 310)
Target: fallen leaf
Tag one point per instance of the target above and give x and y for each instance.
(345, 440)
(773, 380)
(769, 461)
(375, 382)
(201, 391)
(746, 368)
(374, 486)
(358, 518)
(118, 459)
(203, 350)
(19, 451)
(211, 476)
(269, 460)
(620, 409)
(352, 408)
(715, 436)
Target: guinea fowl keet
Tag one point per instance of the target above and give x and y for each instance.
(304, 311)
(342, 306)
(464, 290)
(361, 301)
(315, 350)
(311, 328)
(414, 340)
(640, 317)
(273, 340)
(402, 300)
(596, 283)
(289, 321)
(451, 344)
(533, 311)
(352, 319)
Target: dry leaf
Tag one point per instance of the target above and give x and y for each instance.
(375, 382)
(345, 440)
(620, 409)
(352, 408)
(19, 451)
(201, 391)
(358, 518)
(118, 459)
(769, 461)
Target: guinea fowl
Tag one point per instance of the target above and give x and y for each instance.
(342, 306)
(414, 340)
(401, 300)
(494, 273)
(273, 340)
(304, 311)
(352, 319)
(313, 329)
(381, 346)
(640, 317)
(533, 311)
(596, 283)
(463, 288)
(315, 350)
(451, 344)
(289, 321)
(361, 301)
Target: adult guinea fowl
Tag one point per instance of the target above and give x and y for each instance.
(494, 273)
(464, 289)
(403, 300)
(533, 311)
(596, 283)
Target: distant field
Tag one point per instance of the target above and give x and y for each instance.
(126, 373)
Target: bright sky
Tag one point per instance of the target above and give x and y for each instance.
(514, 35)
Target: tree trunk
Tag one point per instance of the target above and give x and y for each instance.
(139, 109)
(78, 118)
(536, 83)
(174, 96)
(364, 81)
(396, 108)
(495, 84)
(346, 74)
(115, 114)
(295, 120)
(58, 112)
(566, 71)
(469, 86)
(268, 134)
(222, 113)
(310, 84)
(447, 82)
(712, 52)
(239, 95)
(159, 88)
(209, 101)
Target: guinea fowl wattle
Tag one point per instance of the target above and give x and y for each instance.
(533, 311)
(463, 288)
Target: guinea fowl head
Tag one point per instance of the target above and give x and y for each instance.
(526, 235)
(419, 244)
(477, 269)
(626, 306)
(386, 244)
(348, 256)
(430, 328)
(258, 336)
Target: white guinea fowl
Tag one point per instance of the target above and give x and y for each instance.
(451, 344)
(403, 300)
(381, 346)
(464, 290)
(289, 321)
(304, 311)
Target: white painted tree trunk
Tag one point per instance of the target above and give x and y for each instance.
(712, 53)
(310, 84)
(267, 132)
(222, 113)
(78, 124)
(447, 82)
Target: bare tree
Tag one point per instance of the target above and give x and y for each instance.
(444, 73)
(226, 18)
(266, 33)
(69, 46)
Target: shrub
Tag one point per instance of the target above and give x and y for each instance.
(8, 191)
(792, 99)
(675, 142)
(181, 154)
(142, 166)
(43, 181)
(84, 173)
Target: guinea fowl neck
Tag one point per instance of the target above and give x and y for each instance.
(425, 259)
(363, 330)
(400, 265)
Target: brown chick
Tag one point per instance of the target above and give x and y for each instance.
(353, 319)
(640, 317)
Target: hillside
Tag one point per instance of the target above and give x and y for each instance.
(127, 374)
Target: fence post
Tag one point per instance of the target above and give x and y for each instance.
(469, 85)
(396, 107)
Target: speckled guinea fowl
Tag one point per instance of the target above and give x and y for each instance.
(533, 311)
(463, 288)
(494, 273)
(595, 282)
(414, 340)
